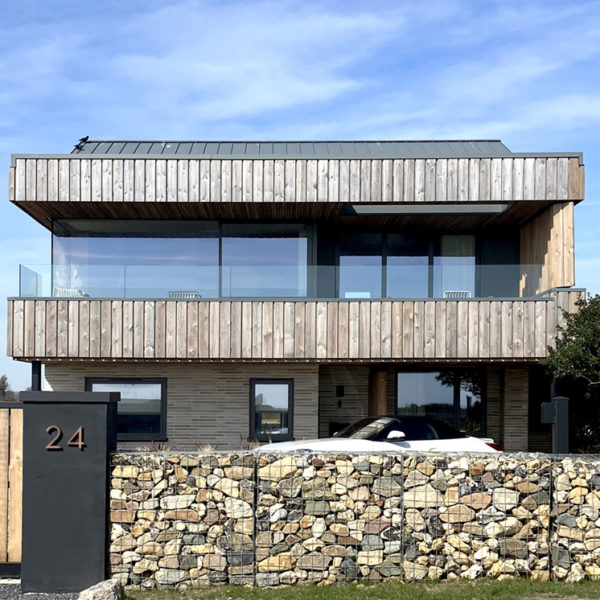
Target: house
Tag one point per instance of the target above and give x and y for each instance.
(275, 290)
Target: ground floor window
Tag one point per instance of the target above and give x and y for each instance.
(454, 396)
(142, 409)
(271, 409)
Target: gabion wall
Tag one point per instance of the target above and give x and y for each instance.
(189, 520)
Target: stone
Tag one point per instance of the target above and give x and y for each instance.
(349, 569)
(144, 566)
(477, 501)
(386, 487)
(414, 520)
(504, 499)
(473, 572)
(577, 495)
(334, 550)
(414, 479)
(426, 468)
(267, 579)
(513, 547)
(290, 488)
(340, 529)
(317, 507)
(370, 513)
(284, 561)
(372, 542)
(459, 513)
(229, 487)
(236, 508)
(190, 515)
(370, 558)
(126, 471)
(278, 470)
(390, 569)
(414, 572)
(314, 561)
(423, 496)
(569, 533)
(214, 562)
(177, 501)
(122, 516)
(105, 590)
(152, 548)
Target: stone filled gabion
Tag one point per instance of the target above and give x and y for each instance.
(188, 520)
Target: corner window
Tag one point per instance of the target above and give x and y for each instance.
(271, 410)
(142, 409)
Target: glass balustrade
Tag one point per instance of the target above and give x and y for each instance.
(452, 281)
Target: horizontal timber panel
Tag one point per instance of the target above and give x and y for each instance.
(114, 180)
(287, 330)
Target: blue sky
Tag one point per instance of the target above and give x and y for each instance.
(525, 72)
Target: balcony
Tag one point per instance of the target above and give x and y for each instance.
(451, 279)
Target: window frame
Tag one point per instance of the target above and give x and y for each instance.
(160, 436)
(253, 435)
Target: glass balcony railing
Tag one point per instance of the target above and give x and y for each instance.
(451, 282)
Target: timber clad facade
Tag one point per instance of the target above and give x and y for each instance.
(344, 279)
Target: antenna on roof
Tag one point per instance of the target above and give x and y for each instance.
(81, 142)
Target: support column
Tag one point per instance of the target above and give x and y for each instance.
(378, 393)
(516, 408)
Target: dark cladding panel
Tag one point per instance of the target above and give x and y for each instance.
(67, 438)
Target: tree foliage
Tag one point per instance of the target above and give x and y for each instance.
(577, 351)
(6, 394)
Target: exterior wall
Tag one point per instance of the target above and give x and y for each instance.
(495, 404)
(206, 404)
(549, 240)
(353, 405)
(119, 181)
(292, 331)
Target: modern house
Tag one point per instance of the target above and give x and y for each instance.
(276, 290)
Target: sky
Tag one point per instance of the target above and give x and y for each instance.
(526, 72)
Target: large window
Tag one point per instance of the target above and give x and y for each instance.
(453, 396)
(264, 260)
(142, 409)
(271, 409)
(135, 259)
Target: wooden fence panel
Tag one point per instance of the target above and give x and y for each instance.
(11, 482)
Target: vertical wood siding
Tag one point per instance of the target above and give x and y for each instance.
(67, 179)
(290, 330)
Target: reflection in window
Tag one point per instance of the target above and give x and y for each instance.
(453, 396)
(454, 268)
(407, 267)
(141, 409)
(360, 272)
(264, 261)
(271, 409)
(135, 259)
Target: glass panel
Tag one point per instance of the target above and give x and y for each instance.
(139, 410)
(407, 267)
(134, 259)
(471, 405)
(426, 394)
(454, 268)
(360, 266)
(264, 261)
(271, 409)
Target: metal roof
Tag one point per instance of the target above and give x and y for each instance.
(298, 149)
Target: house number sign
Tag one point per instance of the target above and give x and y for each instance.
(75, 441)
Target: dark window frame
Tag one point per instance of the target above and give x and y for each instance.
(160, 436)
(253, 435)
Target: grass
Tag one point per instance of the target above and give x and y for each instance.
(390, 590)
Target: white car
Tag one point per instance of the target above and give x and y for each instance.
(380, 434)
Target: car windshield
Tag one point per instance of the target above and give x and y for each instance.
(366, 429)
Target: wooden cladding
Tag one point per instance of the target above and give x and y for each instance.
(341, 331)
(549, 240)
(345, 181)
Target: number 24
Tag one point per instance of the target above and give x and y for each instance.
(76, 440)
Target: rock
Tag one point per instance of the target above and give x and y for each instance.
(372, 542)
(513, 547)
(339, 529)
(316, 507)
(126, 471)
(214, 562)
(278, 470)
(386, 487)
(105, 590)
(290, 488)
(423, 496)
(267, 579)
(413, 520)
(190, 515)
(472, 572)
(426, 468)
(370, 558)
(414, 572)
(576, 574)
(236, 508)
(377, 525)
(349, 569)
(229, 487)
(284, 561)
(459, 513)
(177, 501)
(390, 569)
(476, 501)
(314, 561)
(504, 499)
(414, 479)
(334, 550)
(371, 512)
